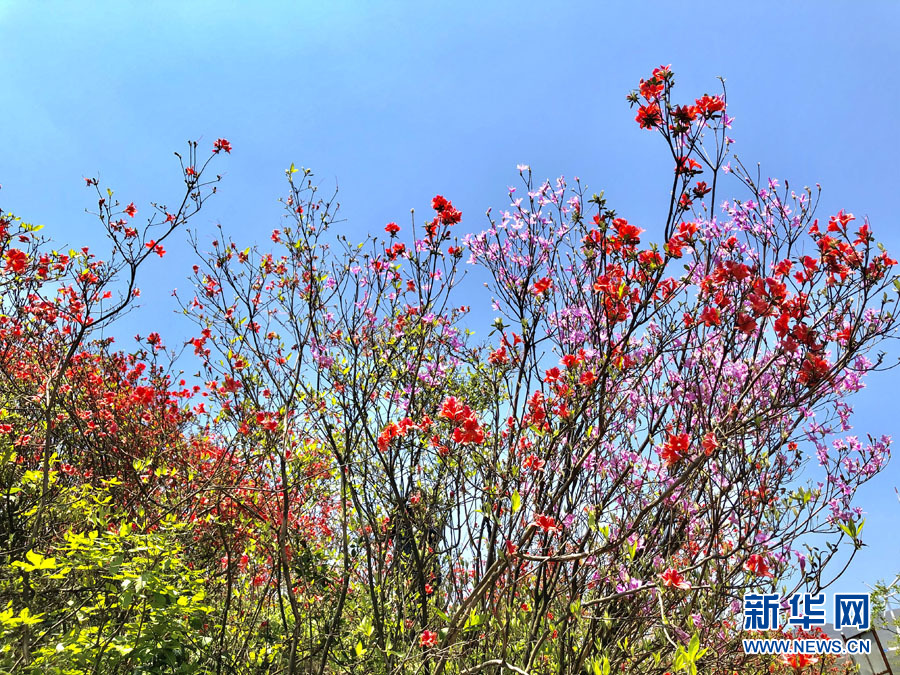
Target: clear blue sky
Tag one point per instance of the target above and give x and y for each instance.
(402, 100)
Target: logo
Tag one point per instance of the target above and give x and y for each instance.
(762, 612)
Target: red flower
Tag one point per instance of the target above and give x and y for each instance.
(267, 421)
(652, 88)
(569, 361)
(546, 523)
(142, 396)
(450, 216)
(783, 268)
(674, 579)
(629, 234)
(552, 375)
(686, 165)
(814, 368)
(392, 229)
(16, 260)
(588, 378)
(710, 105)
(685, 114)
(746, 324)
(130, 210)
(798, 661)
(541, 286)
(675, 447)
(156, 248)
(710, 443)
(452, 409)
(221, 144)
(662, 73)
(701, 190)
(758, 566)
(390, 432)
(428, 639)
(534, 463)
(710, 316)
(648, 116)
(498, 357)
(471, 432)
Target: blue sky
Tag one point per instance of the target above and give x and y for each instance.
(397, 101)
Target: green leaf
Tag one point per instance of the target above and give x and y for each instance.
(35, 562)
(516, 502)
(694, 646)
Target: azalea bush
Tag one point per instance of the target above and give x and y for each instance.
(367, 475)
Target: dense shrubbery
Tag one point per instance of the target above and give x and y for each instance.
(355, 484)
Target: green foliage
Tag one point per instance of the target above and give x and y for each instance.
(121, 596)
(686, 658)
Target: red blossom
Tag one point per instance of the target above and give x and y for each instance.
(757, 565)
(813, 369)
(498, 357)
(156, 248)
(627, 233)
(710, 316)
(470, 432)
(685, 114)
(745, 323)
(452, 409)
(674, 579)
(710, 105)
(534, 463)
(569, 361)
(798, 661)
(688, 166)
(541, 286)
(709, 443)
(701, 190)
(16, 260)
(674, 449)
(648, 116)
(546, 523)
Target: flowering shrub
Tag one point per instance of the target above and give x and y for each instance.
(355, 483)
